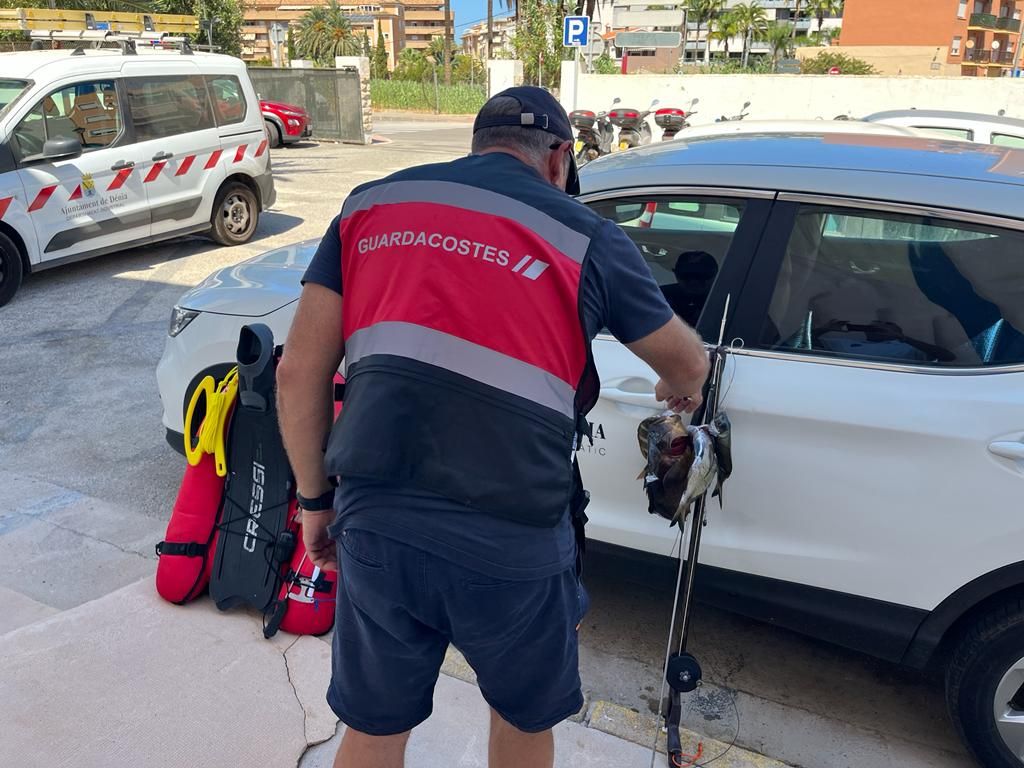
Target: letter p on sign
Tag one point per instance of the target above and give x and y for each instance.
(574, 31)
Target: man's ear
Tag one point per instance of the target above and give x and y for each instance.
(557, 169)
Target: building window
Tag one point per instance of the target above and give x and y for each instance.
(955, 48)
(961, 12)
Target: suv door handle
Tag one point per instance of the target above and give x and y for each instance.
(632, 390)
(120, 165)
(1008, 450)
(162, 156)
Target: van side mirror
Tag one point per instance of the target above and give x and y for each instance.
(62, 148)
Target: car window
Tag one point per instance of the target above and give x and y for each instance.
(683, 239)
(11, 90)
(88, 112)
(902, 289)
(168, 106)
(947, 133)
(1006, 140)
(228, 99)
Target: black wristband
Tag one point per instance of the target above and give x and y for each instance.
(321, 503)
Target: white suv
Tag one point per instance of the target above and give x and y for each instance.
(876, 390)
(102, 150)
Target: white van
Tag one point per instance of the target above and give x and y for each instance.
(102, 150)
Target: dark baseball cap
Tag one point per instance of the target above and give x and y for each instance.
(538, 109)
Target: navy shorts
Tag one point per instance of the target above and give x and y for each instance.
(398, 609)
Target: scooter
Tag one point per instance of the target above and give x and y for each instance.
(594, 134)
(743, 113)
(634, 130)
(671, 120)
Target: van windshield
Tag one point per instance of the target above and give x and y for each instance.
(10, 90)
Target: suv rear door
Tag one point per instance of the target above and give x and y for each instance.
(95, 201)
(878, 412)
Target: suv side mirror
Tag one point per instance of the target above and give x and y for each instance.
(62, 148)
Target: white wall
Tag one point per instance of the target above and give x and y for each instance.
(502, 74)
(784, 97)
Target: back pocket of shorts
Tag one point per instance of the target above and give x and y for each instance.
(363, 549)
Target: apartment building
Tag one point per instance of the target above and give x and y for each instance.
(404, 23)
(976, 38)
(661, 16)
(474, 38)
(424, 20)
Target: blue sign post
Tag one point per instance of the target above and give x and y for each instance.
(575, 31)
(576, 34)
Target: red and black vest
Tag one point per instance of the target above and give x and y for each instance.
(468, 365)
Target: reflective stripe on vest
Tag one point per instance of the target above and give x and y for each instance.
(468, 280)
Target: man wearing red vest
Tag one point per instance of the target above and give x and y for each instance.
(472, 290)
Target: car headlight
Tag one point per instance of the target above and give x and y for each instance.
(292, 122)
(180, 318)
(291, 114)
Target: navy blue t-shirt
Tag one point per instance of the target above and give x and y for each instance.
(619, 295)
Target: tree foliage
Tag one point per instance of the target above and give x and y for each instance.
(825, 60)
(752, 21)
(324, 32)
(779, 39)
(819, 9)
(419, 66)
(379, 62)
(605, 65)
(537, 42)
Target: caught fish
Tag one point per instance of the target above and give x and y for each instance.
(702, 472)
(667, 447)
(721, 430)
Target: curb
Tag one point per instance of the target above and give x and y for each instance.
(630, 725)
(404, 114)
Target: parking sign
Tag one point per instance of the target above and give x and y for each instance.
(575, 31)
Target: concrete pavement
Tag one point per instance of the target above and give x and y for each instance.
(128, 679)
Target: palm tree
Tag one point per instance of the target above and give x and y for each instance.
(325, 32)
(753, 24)
(447, 42)
(822, 8)
(726, 28)
(490, 27)
(702, 12)
(778, 37)
(796, 18)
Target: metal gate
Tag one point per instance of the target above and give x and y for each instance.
(332, 96)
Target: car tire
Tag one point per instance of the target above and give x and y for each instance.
(985, 676)
(274, 133)
(11, 269)
(236, 213)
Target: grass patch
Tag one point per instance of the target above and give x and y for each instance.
(413, 95)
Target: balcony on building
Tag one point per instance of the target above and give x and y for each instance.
(646, 14)
(991, 21)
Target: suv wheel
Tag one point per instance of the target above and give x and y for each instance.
(11, 269)
(275, 135)
(985, 687)
(235, 214)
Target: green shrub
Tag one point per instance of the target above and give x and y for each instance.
(824, 61)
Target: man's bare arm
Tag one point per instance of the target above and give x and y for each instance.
(677, 355)
(305, 401)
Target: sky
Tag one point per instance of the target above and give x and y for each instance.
(469, 12)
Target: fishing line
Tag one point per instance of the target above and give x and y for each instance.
(735, 734)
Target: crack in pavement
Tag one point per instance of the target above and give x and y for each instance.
(295, 693)
(84, 535)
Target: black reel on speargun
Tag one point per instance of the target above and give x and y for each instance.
(683, 671)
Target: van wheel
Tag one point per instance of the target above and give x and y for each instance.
(275, 135)
(235, 214)
(985, 687)
(11, 269)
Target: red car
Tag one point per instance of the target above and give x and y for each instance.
(286, 123)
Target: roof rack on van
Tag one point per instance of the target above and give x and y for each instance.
(96, 38)
(55, 20)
